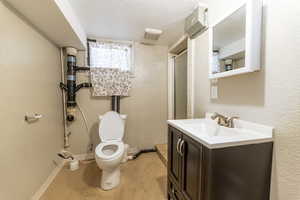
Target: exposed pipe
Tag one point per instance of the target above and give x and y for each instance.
(71, 87)
(66, 134)
(135, 156)
(115, 103)
(118, 104)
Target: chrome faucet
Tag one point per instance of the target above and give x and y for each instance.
(223, 120)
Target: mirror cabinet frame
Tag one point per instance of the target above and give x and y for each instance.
(253, 33)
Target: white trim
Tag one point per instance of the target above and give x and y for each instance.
(39, 193)
(184, 37)
(171, 86)
(190, 78)
(111, 40)
(182, 53)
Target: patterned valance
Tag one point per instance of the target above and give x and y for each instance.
(110, 82)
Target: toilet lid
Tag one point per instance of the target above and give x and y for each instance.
(111, 127)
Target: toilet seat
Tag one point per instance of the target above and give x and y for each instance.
(111, 127)
(110, 150)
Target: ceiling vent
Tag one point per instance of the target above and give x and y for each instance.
(152, 34)
(196, 22)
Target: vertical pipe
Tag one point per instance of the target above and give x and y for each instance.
(113, 99)
(118, 104)
(115, 103)
(88, 53)
(66, 135)
(71, 80)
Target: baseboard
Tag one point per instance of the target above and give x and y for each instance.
(48, 181)
(54, 173)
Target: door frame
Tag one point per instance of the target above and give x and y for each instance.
(190, 76)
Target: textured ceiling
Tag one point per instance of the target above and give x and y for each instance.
(127, 19)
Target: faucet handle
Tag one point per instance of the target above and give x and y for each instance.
(230, 121)
(214, 116)
(221, 119)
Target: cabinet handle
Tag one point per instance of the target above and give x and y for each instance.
(177, 146)
(180, 148)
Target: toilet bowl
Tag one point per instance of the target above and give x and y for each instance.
(110, 152)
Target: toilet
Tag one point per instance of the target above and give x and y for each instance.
(110, 152)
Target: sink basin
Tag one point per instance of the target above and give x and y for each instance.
(210, 134)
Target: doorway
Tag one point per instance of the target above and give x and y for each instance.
(178, 81)
(180, 85)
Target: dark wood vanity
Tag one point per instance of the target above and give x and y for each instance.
(196, 172)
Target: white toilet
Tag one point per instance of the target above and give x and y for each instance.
(109, 153)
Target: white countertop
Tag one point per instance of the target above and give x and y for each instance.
(211, 135)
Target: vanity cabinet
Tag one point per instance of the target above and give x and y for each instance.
(196, 172)
(191, 168)
(184, 166)
(174, 158)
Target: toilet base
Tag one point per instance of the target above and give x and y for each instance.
(110, 179)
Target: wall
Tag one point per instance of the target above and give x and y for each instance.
(146, 107)
(30, 72)
(271, 96)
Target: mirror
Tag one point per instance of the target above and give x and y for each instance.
(229, 42)
(235, 41)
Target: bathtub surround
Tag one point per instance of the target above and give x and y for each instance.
(269, 97)
(30, 73)
(146, 107)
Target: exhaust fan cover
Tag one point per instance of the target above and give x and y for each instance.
(152, 34)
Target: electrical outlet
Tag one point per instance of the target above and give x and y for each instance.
(214, 92)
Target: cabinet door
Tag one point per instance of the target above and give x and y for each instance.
(173, 192)
(174, 159)
(191, 169)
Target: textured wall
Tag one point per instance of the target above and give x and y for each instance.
(30, 72)
(146, 107)
(271, 96)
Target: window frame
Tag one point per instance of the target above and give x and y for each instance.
(131, 43)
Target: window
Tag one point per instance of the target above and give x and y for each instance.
(110, 55)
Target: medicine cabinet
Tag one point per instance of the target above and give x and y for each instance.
(235, 41)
